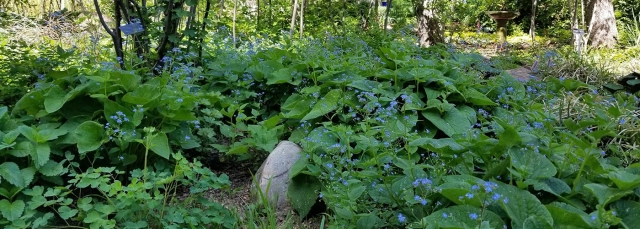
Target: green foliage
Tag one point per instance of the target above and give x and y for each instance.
(101, 120)
(21, 65)
(393, 136)
(138, 203)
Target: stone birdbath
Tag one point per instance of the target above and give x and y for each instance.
(502, 17)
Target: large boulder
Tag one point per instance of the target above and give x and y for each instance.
(274, 174)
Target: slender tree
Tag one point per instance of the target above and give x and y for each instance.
(293, 17)
(532, 29)
(302, 18)
(430, 30)
(602, 24)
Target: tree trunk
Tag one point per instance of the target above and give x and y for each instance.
(386, 15)
(235, 12)
(302, 18)
(293, 18)
(203, 31)
(430, 31)
(602, 24)
(532, 29)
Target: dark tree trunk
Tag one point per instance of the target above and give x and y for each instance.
(602, 24)
(169, 40)
(532, 29)
(203, 31)
(430, 31)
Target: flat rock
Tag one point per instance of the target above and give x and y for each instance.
(521, 73)
(274, 174)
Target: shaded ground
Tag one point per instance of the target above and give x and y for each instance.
(238, 197)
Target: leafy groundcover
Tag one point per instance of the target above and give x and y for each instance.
(394, 136)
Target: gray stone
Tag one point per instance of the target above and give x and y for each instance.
(274, 174)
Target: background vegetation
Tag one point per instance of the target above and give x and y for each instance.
(105, 126)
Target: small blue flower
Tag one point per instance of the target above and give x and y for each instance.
(506, 200)
(121, 158)
(401, 218)
(622, 121)
(329, 165)
(473, 216)
(187, 137)
(423, 202)
(445, 215)
(469, 195)
(417, 198)
(320, 195)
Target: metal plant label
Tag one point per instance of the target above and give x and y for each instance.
(132, 28)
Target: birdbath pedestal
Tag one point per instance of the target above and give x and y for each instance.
(502, 17)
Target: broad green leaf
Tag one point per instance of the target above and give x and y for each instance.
(507, 138)
(606, 194)
(356, 192)
(271, 122)
(344, 213)
(66, 212)
(303, 193)
(325, 105)
(370, 221)
(134, 225)
(535, 222)
(451, 122)
(552, 185)
(299, 108)
(264, 138)
(625, 180)
(54, 99)
(3, 111)
(456, 191)
(459, 216)
(12, 211)
(43, 221)
(99, 79)
(142, 95)
(128, 80)
(112, 108)
(28, 174)
(520, 205)
(533, 165)
(475, 97)
(628, 211)
(11, 136)
(565, 215)
(437, 144)
(51, 168)
(10, 172)
(90, 135)
(238, 150)
(4, 146)
(159, 144)
(298, 166)
(22, 149)
(32, 103)
(364, 85)
(30, 133)
(182, 115)
(43, 151)
(92, 216)
(280, 76)
(49, 134)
